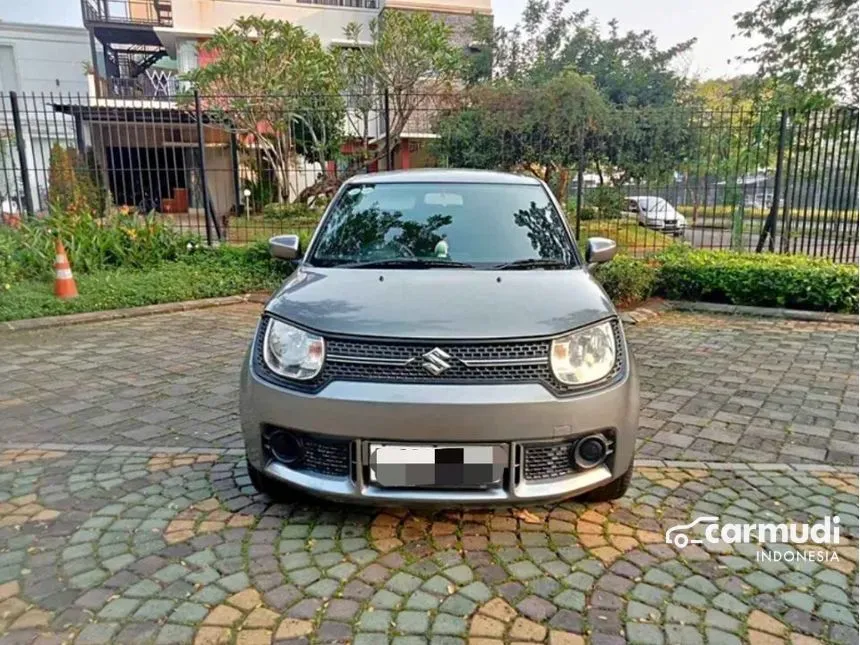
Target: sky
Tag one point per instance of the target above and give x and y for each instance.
(672, 21)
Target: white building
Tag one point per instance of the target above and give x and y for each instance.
(39, 63)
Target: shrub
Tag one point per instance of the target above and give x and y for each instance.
(122, 239)
(294, 210)
(10, 270)
(768, 280)
(74, 188)
(204, 274)
(605, 202)
(626, 280)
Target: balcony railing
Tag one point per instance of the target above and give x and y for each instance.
(128, 12)
(159, 86)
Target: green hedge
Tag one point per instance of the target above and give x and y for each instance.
(626, 280)
(757, 279)
(766, 280)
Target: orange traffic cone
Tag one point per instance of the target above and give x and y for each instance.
(64, 284)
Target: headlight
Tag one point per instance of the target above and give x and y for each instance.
(293, 352)
(584, 356)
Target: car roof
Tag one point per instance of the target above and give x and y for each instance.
(443, 175)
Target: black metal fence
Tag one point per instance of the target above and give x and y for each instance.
(239, 169)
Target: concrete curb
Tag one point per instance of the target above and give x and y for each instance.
(102, 448)
(45, 322)
(764, 312)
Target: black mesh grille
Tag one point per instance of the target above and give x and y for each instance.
(327, 457)
(458, 373)
(548, 460)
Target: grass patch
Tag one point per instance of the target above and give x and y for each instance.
(628, 235)
(208, 273)
(246, 230)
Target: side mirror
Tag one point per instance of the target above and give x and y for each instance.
(285, 247)
(599, 250)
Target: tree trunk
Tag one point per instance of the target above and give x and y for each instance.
(561, 187)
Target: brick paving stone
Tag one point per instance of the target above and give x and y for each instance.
(172, 544)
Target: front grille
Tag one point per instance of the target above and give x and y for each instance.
(476, 362)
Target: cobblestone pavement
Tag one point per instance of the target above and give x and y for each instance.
(714, 388)
(144, 547)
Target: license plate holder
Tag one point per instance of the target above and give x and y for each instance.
(437, 466)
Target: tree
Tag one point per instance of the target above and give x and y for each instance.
(628, 68)
(534, 128)
(411, 56)
(809, 45)
(277, 88)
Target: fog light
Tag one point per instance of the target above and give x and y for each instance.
(590, 451)
(285, 447)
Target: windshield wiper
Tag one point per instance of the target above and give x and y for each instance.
(408, 263)
(532, 263)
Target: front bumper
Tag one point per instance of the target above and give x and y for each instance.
(509, 415)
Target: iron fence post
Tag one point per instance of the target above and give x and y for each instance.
(234, 160)
(386, 117)
(769, 227)
(201, 153)
(22, 153)
(580, 172)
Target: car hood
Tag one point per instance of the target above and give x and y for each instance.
(440, 303)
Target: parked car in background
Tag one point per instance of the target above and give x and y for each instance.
(441, 341)
(657, 214)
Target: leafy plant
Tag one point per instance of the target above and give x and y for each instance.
(74, 189)
(295, 210)
(207, 273)
(766, 280)
(604, 202)
(122, 239)
(626, 280)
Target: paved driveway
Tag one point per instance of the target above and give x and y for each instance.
(140, 547)
(127, 516)
(714, 388)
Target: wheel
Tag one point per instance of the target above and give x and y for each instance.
(262, 483)
(613, 490)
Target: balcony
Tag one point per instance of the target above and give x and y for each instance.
(152, 13)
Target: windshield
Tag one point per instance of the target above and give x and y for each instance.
(653, 204)
(472, 224)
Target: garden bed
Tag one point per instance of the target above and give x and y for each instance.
(205, 274)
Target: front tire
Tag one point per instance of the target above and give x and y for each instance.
(615, 489)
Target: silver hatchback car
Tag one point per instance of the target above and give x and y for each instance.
(441, 341)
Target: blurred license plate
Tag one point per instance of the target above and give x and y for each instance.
(437, 466)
